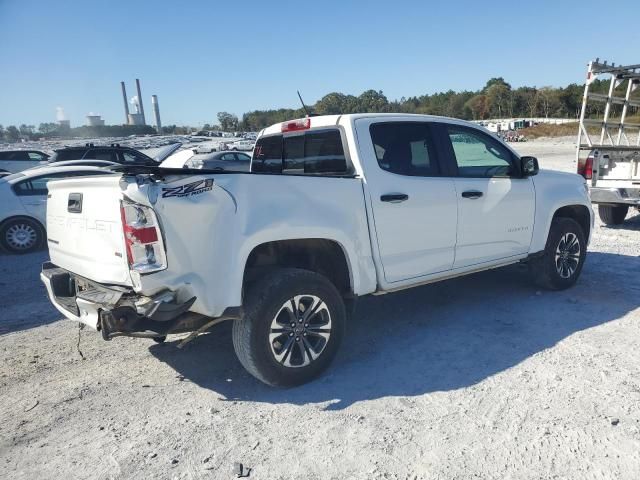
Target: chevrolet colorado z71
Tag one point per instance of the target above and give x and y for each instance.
(334, 208)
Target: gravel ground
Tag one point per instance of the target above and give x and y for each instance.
(479, 377)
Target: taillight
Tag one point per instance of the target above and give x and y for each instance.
(295, 125)
(586, 168)
(142, 238)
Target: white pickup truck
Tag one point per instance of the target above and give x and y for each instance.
(334, 208)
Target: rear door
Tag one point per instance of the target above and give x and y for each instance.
(414, 206)
(495, 205)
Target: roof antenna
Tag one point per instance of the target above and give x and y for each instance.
(306, 111)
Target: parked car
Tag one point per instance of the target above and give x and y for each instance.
(242, 145)
(207, 147)
(236, 161)
(334, 208)
(111, 153)
(23, 203)
(17, 160)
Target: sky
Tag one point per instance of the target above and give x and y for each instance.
(203, 57)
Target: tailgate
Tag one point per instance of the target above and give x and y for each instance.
(84, 228)
(623, 168)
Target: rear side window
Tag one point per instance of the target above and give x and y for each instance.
(38, 185)
(71, 154)
(14, 156)
(404, 148)
(102, 154)
(313, 152)
(267, 156)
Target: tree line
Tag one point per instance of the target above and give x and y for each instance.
(497, 99)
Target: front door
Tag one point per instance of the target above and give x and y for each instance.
(495, 205)
(413, 206)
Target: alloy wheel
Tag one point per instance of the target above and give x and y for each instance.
(568, 255)
(300, 331)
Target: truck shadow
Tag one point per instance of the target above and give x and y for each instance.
(632, 222)
(438, 337)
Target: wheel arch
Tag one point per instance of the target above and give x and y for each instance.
(27, 217)
(579, 213)
(324, 256)
(43, 240)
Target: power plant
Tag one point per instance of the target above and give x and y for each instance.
(136, 116)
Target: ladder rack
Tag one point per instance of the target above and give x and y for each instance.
(613, 134)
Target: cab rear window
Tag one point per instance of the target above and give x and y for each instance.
(313, 152)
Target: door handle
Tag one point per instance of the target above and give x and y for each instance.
(394, 197)
(472, 194)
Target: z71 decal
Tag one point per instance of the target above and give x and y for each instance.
(189, 189)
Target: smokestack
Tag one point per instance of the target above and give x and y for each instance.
(126, 104)
(144, 122)
(156, 111)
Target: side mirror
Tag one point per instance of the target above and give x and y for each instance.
(529, 166)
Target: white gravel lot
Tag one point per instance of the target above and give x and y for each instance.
(479, 377)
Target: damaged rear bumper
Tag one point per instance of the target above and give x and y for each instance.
(119, 311)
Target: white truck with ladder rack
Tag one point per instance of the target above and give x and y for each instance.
(610, 161)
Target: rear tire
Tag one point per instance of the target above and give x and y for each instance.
(560, 264)
(613, 214)
(21, 235)
(293, 325)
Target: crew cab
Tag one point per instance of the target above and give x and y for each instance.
(332, 209)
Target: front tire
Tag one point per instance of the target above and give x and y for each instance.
(561, 263)
(21, 235)
(613, 214)
(293, 325)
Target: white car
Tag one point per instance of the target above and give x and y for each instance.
(333, 208)
(23, 204)
(242, 145)
(206, 147)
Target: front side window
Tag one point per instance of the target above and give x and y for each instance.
(36, 156)
(479, 155)
(404, 148)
